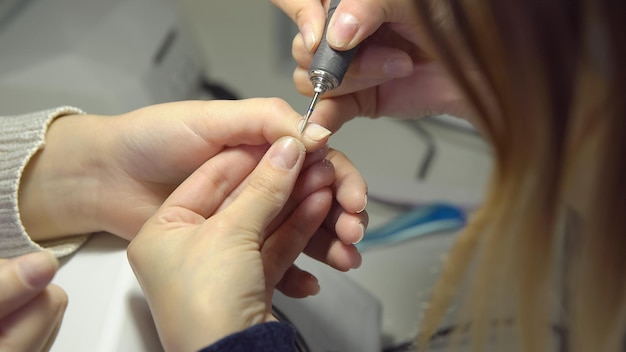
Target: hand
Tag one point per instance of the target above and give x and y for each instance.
(209, 259)
(31, 309)
(394, 72)
(111, 174)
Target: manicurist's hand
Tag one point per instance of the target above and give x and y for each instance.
(31, 309)
(210, 258)
(394, 72)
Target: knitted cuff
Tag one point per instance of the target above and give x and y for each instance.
(21, 136)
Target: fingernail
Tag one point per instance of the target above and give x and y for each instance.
(316, 132)
(308, 35)
(364, 204)
(398, 66)
(37, 269)
(342, 30)
(315, 284)
(362, 234)
(285, 153)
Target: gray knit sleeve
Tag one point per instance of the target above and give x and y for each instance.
(21, 136)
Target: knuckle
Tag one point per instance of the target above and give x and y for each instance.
(277, 105)
(300, 15)
(12, 285)
(265, 186)
(131, 250)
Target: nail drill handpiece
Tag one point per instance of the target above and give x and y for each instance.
(328, 67)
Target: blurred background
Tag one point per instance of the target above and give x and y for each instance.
(108, 57)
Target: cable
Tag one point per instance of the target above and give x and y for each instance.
(447, 331)
(453, 123)
(218, 91)
(403, 347)
(431, 148)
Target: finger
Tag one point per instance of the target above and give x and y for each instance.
(432, 92)
(23, 278)
(312, 177)
(333, 112)
(269, 186)
(348, 218)
(355, 20)
(55, 332)
(281, 249)
(348, 227)
(273, 118)
(372, 63)
(34, 325)
(309, 16)
(218, 177)
(349, 86)
(230, 123)
(298, 283)
(309, 166)
(349, 186)
(316, 177)
(327, 248)
(315, 157)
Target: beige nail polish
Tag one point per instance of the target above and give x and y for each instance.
(362, 234)
(316, 132)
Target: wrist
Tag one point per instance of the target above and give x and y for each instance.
(58, 187)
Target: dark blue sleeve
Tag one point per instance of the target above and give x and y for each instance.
(266, 337)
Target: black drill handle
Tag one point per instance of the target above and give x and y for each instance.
(327, 59)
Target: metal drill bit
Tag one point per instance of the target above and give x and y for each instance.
(327, 68)
(307, 116)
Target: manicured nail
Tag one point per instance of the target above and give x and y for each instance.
(398, 66)
(361, 234)
(315, 132)
(285, 153)
(37, 269)
(342, 29)
(364, 204)
(308, 35)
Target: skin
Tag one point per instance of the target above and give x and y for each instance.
(373, 87)
(220, 263)
(112, 174)
(123, 167)
(394, 72)
(31, 309)
(121, 161)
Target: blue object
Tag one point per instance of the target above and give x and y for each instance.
(415, 223)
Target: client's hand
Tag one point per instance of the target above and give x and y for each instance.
(111, 174)
(31, 309)
(209, 259)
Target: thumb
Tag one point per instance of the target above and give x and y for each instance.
(269, 186)
(355, 20)
(23, 278)
(310, 17)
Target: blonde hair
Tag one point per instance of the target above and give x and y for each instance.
(547, 81)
